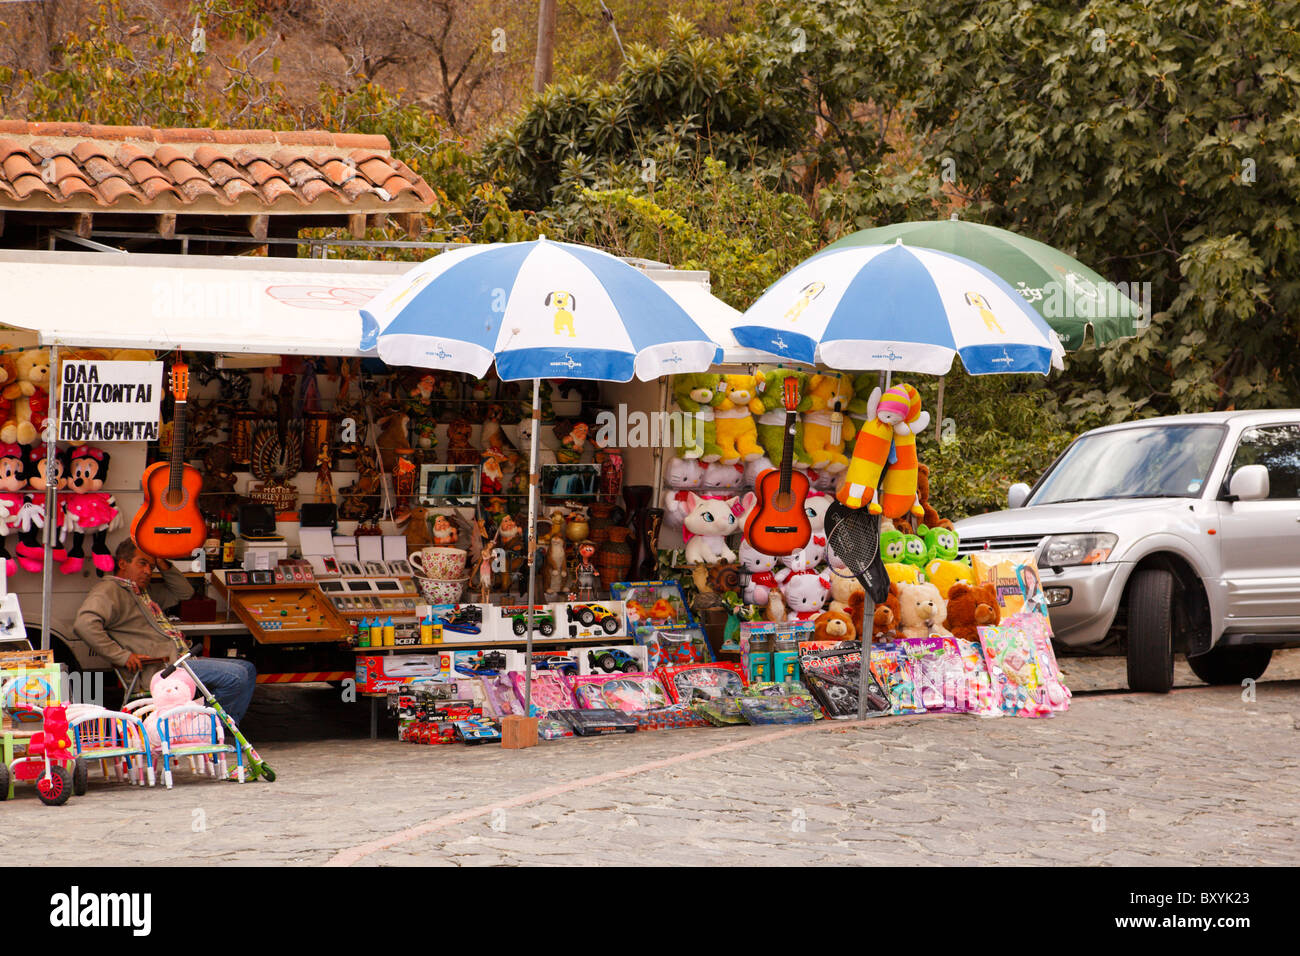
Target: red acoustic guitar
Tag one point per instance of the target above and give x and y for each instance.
(169, 524)
(779, 525)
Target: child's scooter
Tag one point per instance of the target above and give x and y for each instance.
(257, 767)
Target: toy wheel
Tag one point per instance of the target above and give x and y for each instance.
(268, 774)
(80, 777)
(4, 782)
(586, 617)
(547, 628)
(610, 624)
(55, 791)
(518, 627)
(629, 667)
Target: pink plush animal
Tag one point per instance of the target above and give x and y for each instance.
(168, 693)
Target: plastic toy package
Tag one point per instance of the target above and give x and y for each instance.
(550, 691)
(478, 730)
(893, 670)
(1013, 669)
(720, 711)
(976, 696)
(833, 675)
(926, 655)
(623, 692)
(594, 723)
(792, 709)
(691, 681)
(1039, 629)
(676, 645)
(551, 728)
(671, 717)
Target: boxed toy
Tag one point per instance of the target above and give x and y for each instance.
(1013, 574)
(625, 692)
(510, 621)
(678, 644)
(382, 672)
(579, 619)
(652, 604)
(611, 659)
(474, 663)
(461, 623)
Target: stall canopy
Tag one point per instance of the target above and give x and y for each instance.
(238, 304)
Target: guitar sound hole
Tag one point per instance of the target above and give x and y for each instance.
(174, 499)
(782, 502)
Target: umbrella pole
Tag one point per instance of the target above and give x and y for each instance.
(50, 436)
(938, 412)
(532, 545)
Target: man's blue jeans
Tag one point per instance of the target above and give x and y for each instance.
(231, 681)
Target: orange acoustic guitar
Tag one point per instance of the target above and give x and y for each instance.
(779, 525)
(169, 524)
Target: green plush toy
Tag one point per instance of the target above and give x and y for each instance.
(903, 556)
(771, 420)
(914, 550)
(892, 546)
(697, 395)
(940, 543)
(863, 383)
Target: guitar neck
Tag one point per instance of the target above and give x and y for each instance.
(177, 458)
(787, 452)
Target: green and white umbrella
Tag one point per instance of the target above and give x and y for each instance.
(1067, 294)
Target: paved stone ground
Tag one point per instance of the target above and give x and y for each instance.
(1196, 777)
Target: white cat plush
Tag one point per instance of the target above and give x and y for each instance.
(706, 528)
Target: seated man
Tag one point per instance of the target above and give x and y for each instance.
(121, 621)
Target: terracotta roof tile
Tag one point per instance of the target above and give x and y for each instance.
(88, 166)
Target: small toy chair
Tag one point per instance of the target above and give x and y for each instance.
(192, 731)
(112, 737)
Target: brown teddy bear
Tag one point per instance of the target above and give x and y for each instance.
(886, 616)
(971, 607)
(834, 626)
(29, 395)
(459, 450)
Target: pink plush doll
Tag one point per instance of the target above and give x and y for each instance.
(168, 693)
(13, 482)
(89, 510)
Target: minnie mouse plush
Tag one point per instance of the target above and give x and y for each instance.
(31, 555)
(89, 510)
(13, 482)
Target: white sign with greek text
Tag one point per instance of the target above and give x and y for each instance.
(109, 401)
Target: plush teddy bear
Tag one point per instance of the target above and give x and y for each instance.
(29, 395)
(825, 426)
(921, 610)
(771, 417)
(734, 419)
(971, 607)
(706, 528)
(947, 574)
(804, 593)
(8, 372)
(697, 395)
(834, 626)
(843, 586)
(886, 615)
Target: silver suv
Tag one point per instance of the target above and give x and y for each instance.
(1164, 535)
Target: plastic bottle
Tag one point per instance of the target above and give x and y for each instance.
(390, 633)
(426, 630)
(363, 633)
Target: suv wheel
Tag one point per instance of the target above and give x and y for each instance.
(1150, 627)
(1231, 665)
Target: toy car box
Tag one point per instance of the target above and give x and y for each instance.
(379, 673)
(582, 619)
(461, 623)
(612, 659)
(510, 622)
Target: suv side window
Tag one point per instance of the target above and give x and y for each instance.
(1277, 448)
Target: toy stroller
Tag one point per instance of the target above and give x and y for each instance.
(255, 766)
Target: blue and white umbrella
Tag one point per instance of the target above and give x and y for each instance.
(899, 308)
(539, 310)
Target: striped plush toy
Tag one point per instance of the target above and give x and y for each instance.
(893, 417)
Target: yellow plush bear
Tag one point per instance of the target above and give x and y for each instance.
(826, 427)
(944, 574)
(29, 394)
(734, 419)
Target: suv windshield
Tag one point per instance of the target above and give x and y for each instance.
(1158, 461)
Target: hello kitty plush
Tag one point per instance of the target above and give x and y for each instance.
(706, 528)
(683, 476)
(808, 557)
(720, 476)
(805, 593)
(755, 468)
(758, 570)
(13, 482)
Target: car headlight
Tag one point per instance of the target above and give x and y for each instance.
(1069, 550)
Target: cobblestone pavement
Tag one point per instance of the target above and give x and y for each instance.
(1200, 776)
